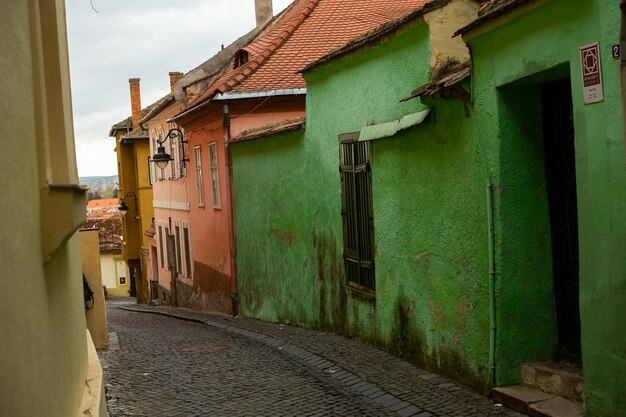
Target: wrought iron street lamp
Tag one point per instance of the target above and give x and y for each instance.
(123, 208)
(162, 158)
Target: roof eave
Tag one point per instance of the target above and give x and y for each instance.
(157, 109)
(507, 11)
(292, 128)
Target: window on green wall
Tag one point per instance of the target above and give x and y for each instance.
(357, 211)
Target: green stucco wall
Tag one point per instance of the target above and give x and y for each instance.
(432, 300)
(430, 208)
(509, 63)
(273, 228)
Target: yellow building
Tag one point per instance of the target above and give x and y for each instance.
(48, 365)
(135, 189)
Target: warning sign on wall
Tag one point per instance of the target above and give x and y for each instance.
(592, 73)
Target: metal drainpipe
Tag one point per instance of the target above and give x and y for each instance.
(492, 292)
(622, 41)
(231, 213)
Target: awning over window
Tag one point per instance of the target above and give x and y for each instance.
(385, 130)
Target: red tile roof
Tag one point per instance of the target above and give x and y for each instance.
(305, 32)
(109, 225)
(103, 202)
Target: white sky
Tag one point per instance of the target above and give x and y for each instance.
(138, 39)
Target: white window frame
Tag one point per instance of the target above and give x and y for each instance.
(215, 180)
(199, 183)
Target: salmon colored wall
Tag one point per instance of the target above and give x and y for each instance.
(254, 114)
(210, 232)
(169, 190)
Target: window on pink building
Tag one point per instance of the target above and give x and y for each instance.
(199, 183)
(215, 185)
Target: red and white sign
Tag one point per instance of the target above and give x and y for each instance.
(591, 73)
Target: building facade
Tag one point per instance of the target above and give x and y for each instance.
(49, 365)
(135, 190)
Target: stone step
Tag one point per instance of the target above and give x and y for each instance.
(556, 378)
(536, 403)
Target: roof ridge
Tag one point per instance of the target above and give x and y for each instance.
(262, 58)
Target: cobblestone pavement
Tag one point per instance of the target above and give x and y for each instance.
(176, 362)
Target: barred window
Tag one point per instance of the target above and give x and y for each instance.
(357, 211)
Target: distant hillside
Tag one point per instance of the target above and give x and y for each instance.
(101, 187)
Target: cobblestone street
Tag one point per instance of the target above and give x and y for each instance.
(198, 364)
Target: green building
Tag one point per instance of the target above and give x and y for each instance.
(470, 224)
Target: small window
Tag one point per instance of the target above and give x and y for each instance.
(357, 211)
(215, 185)
(187, 251)
(177, 242)
(241, 58)
(171, 252)
(161, 254)
(199, 184)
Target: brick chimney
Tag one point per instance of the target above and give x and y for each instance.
(264, 13)
(135, 101)
(174, 76)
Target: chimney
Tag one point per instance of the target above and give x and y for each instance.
(174, 76)
(264, 13)
(135, 101)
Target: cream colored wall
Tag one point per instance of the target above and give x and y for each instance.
(43, 344)
(114, 267)
(109, 273)
(96, 317)
(442, 23)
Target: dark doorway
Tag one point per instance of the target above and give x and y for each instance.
(558, 129)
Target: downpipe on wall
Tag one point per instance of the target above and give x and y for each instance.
(622, 41)
(492, 290)
(234, 296)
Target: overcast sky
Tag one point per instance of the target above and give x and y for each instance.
(138, 39)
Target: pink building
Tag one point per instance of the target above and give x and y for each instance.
(170, 248)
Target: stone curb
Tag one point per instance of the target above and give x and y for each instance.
(342, 377)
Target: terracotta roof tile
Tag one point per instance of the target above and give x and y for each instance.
(308, 30)
(374, 34)
(103, 202)
(109, 225)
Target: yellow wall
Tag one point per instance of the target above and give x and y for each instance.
(97, 316)
(146, 208)
(127, 178)
(134, 176)
(44, 349)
